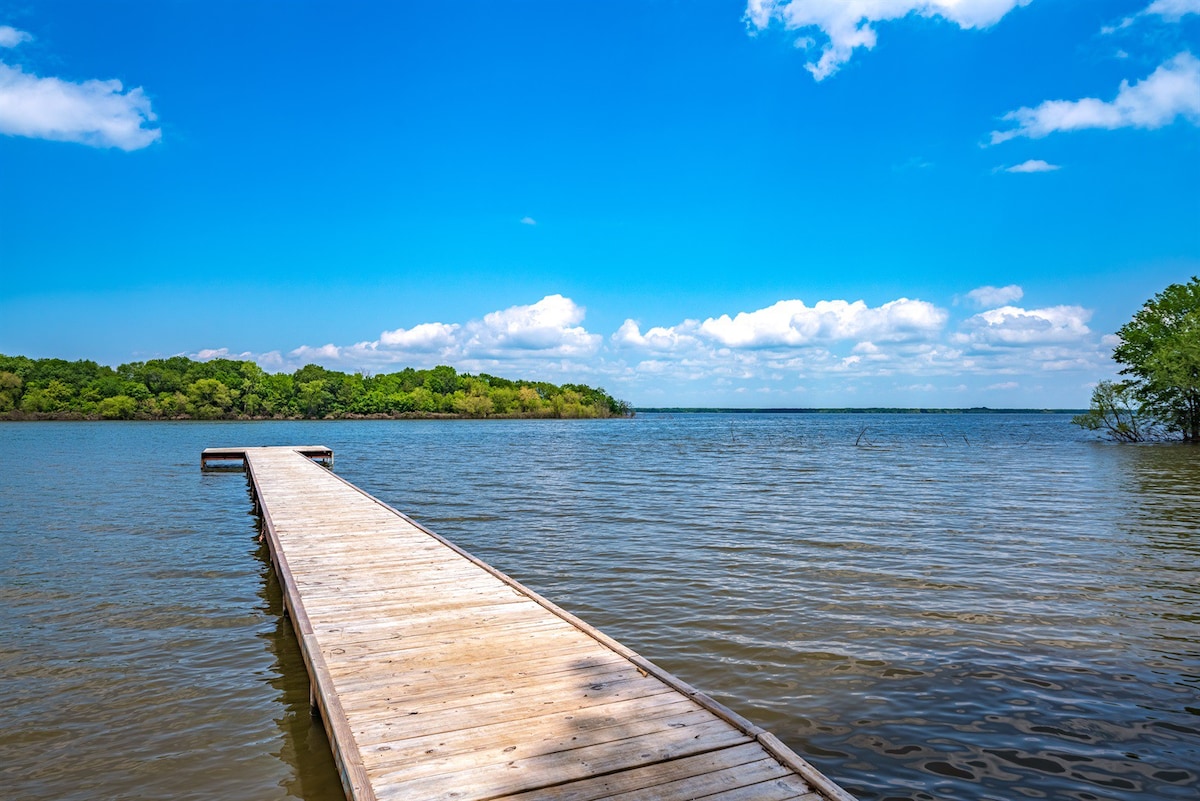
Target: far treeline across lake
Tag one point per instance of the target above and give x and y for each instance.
(225, 389)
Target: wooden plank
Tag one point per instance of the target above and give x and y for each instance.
(721, 784)
(463, 780)
(391, 717)
(426, 690)
(537, 734)
(431, 623)
(423, 655)
(439, 677)
(647, 777)
(459, 753)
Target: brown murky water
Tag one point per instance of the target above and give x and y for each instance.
(958, 607)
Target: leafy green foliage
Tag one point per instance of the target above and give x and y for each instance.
(226, 389)
(1116, 413)
(1160, 351)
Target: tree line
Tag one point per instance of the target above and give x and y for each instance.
(224, 389)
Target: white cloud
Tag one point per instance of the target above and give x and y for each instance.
(11, 37)
(96, 113)
(1171, 91)
(830, 348)
(1010, 325)
(206, 354)
(847, 24)
(659, 338)
(1172, 10)
(551, 324)
(529, 337)
(1168, 10)
(1005, 385)
(528, 221)
(1033, 165)
(423, 338)
(989, 296)
(325, 353)
(791, 323)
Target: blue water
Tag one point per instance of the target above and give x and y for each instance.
(976, 607)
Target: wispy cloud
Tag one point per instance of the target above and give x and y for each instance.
(95, 113)
(528, 221)
(219, 353)
(1033, 165)
(847, 24)
(11, 37)
(1172, 91)
(1167, 10)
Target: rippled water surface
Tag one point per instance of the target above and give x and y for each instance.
(968, 607)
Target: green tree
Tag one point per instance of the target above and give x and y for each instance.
(208, 399)
(10, 391)
(314, 398)
(1116, 413)
(278, 392)
(1160, 348)
(56, 396)
(118, 407)
(442, 380)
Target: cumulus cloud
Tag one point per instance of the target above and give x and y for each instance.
(539, 332)
(1011, 325)
(1033, 165)
(829, 346)
(423, 338)
(551, 324)
(988, 296)
(324, 353)
(528, 221)
(659, 338)
(847, 24)
(791, 323)
(11, 37)
(1170, 92)
(96, 113)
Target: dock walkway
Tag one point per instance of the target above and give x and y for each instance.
(439, 678)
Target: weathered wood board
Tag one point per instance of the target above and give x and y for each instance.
(438, 677)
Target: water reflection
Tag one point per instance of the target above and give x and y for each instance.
(965, 607)
(303, 743)
(955, 610)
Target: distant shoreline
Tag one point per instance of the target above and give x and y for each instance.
(69, 416)
(846, 410)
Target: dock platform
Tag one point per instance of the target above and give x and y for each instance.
(439, 678)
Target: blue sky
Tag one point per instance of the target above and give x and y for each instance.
(808, 203)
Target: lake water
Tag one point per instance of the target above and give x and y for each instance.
(924, 606)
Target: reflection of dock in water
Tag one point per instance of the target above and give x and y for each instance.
(438, 677)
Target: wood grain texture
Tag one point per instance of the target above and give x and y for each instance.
(438, 677)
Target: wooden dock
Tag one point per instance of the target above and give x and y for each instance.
(438, 677)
